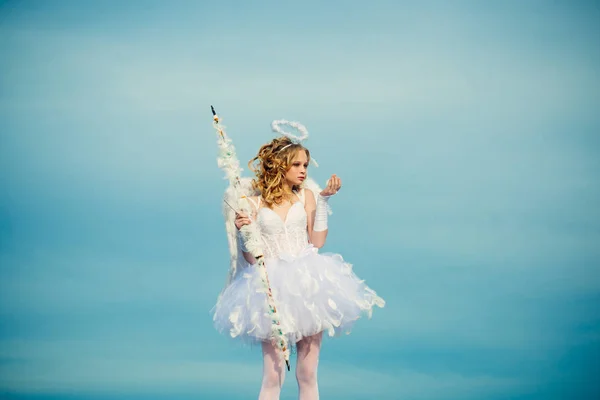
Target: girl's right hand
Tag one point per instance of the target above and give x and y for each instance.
(241, 220)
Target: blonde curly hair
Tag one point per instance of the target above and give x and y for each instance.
(274, 159)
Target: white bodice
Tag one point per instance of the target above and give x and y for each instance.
(279, 237)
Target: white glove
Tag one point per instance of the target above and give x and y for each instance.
(321, 214)
(240, 237)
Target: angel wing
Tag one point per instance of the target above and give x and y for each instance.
(232, 196)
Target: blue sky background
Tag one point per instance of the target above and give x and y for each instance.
(467, 137)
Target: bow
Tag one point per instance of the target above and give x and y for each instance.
(229, 162)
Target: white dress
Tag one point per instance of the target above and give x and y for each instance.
(313, 292)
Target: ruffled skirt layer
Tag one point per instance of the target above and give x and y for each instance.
(313, 292)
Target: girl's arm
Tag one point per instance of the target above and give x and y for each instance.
(247, 255)
(317, 238)
(317, 211)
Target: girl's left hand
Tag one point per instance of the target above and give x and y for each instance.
(334, 184)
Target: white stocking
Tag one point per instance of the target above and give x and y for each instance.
(273, 373)
(306, 366)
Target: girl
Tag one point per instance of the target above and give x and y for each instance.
(314, 292)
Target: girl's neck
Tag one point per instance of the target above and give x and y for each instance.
(287, 189)
(288, 193)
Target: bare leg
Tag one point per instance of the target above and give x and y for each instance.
(273, 373)
(306, 366)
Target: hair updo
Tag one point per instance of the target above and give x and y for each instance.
(274, 159)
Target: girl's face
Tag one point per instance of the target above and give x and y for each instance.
(297, 172)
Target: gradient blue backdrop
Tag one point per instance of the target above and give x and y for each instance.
(467, 137)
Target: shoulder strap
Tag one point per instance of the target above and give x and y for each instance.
(300, 195)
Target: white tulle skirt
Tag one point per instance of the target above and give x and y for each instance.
(313, 293)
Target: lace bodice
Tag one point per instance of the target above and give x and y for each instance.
(280, 237)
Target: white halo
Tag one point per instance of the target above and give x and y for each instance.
(275, 126)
